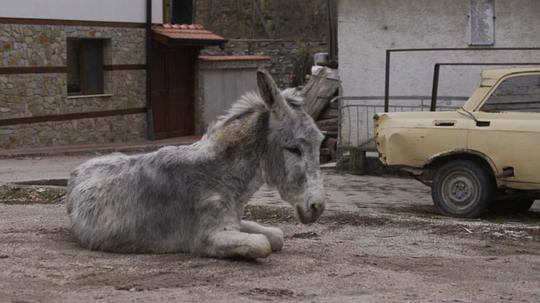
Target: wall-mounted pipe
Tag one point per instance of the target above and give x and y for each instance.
(149, 113)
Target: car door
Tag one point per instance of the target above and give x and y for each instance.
(510, 130)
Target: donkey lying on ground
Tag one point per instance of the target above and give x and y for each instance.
(191, 198)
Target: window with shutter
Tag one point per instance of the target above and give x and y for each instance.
(482, 22)
(85, 66)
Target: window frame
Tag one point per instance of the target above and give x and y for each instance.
(475, 20)
(82, 70)
(497, 85)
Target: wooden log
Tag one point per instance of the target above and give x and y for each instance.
(330, 144)
(332, 134)
(328, 113)
(318, 92)
(332, 105)
(358, 161)
(328, 124)
(330, 128)
(324, 151)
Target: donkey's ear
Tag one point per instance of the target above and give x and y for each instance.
(267, 87)
(270, 92)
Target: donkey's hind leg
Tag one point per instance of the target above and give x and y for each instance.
(232, 243)
(273, 234)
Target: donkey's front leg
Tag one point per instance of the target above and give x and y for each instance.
(233, 243)
(273, 234)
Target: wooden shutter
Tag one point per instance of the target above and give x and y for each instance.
(482, 22)
(91, 59)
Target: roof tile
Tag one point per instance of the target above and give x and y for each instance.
(185, 32)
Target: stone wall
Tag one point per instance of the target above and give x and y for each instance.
(264, 19)
(30, 95)
(45, 45)
(83, 131)
(290, 32)
(290, 60)
(42, 94)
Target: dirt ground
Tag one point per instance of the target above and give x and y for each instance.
(381, 240)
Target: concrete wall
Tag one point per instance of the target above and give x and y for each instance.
(222, 87)
(366, 28)
(94, 10)
(222, 83)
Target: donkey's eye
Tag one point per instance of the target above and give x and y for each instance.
(294, 150)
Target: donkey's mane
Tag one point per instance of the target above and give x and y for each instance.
(249, 103)
(239, 123)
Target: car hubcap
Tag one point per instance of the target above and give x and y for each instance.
(460, 190)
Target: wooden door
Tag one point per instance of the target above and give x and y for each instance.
(172, 92)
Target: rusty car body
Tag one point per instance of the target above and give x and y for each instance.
(485, 155)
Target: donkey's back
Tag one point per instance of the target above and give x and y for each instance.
(133, 203)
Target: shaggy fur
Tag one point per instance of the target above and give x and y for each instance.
(191, 198)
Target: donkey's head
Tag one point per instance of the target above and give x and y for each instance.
(291, 160)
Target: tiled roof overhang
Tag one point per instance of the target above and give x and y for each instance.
(186, 35)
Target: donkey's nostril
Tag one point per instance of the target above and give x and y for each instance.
(310, 212)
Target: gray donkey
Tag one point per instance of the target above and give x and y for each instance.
(191, 198)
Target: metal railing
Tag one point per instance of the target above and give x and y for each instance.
(389, 52)
(355, 119)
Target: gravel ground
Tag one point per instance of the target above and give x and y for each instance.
(380, 241)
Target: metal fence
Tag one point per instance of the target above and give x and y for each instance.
(355, 126)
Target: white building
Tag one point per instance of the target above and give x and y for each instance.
(368, 28)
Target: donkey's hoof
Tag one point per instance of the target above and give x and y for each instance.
(259, 248)
(275, 237)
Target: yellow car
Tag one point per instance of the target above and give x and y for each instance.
(485, 155)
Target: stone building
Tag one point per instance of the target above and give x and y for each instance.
(43, 99)
(75, 72)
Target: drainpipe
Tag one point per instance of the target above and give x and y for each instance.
(149, 114)
(332, 34)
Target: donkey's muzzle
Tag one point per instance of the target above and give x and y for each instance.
(311, 213)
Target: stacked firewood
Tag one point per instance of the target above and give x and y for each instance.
(319, 90)
(328, 124)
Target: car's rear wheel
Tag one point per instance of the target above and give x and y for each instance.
(462, 188)
(517, 204)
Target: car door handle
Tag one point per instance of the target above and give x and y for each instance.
(483, 123)
(444, 123)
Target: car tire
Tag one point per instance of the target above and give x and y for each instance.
(519, 204)
(462, 188)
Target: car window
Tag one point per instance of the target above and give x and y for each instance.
(516, 94)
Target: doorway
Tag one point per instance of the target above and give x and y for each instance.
(172, 91)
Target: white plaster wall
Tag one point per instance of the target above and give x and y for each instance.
(86, 10)
(366, 28)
